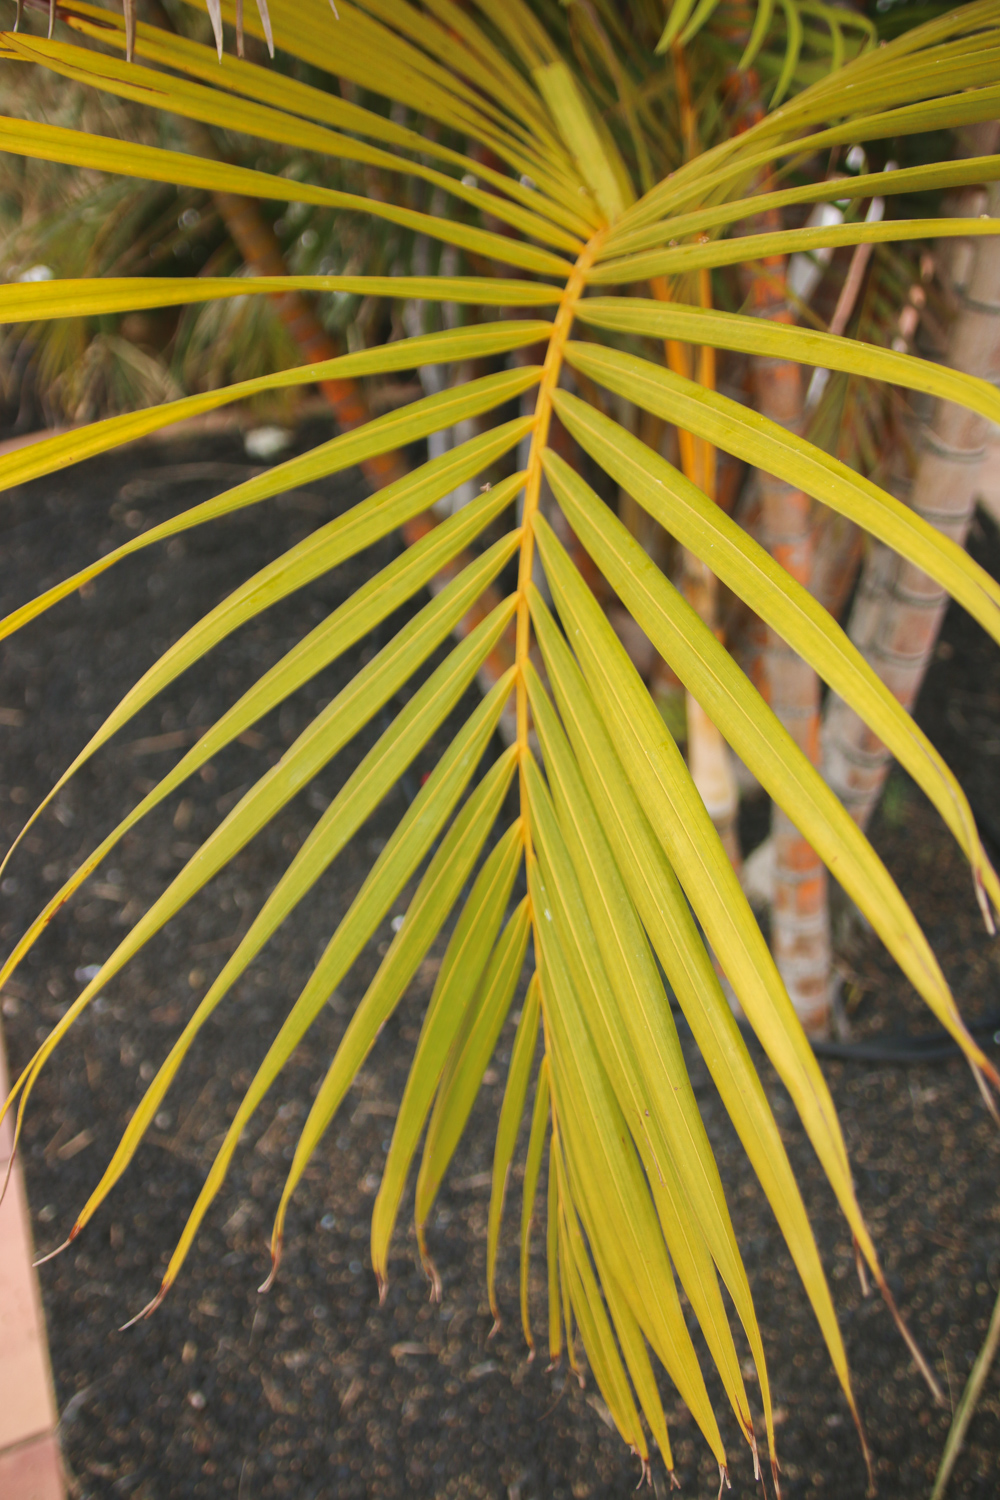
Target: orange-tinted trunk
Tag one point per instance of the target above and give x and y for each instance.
(800, 927)
(898, 610)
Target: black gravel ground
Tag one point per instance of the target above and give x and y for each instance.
(315, 1390)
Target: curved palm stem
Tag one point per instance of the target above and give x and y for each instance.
(551, 371)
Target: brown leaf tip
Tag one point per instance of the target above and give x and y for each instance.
(431, 1272)
(271, 1277)
(646, 1476)
(150, 1308)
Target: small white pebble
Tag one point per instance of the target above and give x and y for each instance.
(265, 442)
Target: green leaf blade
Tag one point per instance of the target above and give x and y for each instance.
(467, 1062)
(464, 961)
(396, 862)
(792, 612)
(435, 896)
(511, 1112)
(677, 814)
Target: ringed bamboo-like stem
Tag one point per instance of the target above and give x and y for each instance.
(898, 610)
(800, 925)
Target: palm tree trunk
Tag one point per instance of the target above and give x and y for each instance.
(800, 927)
(898, 610)
(785, 524)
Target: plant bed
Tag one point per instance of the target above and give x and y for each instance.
(314, 1390)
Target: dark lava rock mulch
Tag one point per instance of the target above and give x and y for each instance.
(314, 1390)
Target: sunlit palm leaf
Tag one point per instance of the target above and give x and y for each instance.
(394, 866)
(500, 152)
(754, 576)
(211, 107)
(470, 1053)
(382, 435)
(426, 914)
(629, 240)
(352, 708)
(518, 1077)
(783, 242)
(75, 148)
(465, 960)
(667, 918)
(690, 1234)
(343, 628)
(765, 444)
(622, 1217)
(529, 1187)
(33, 301)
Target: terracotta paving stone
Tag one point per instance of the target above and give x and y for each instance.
(7, 1128)
(30, 1467)
(32, 1471)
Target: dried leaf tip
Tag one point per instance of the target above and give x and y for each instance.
(724, 1480)
(984, 1088)
(871, 1488)
(265, 21)
(214, 8)
(43, 1259)
(431, 1272)
(984, 900)
(149, 1309)
(272, 1275)
(646, 1476)
(915, 1351)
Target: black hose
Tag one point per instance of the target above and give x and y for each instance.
(899, 1048)
(904, 1048)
